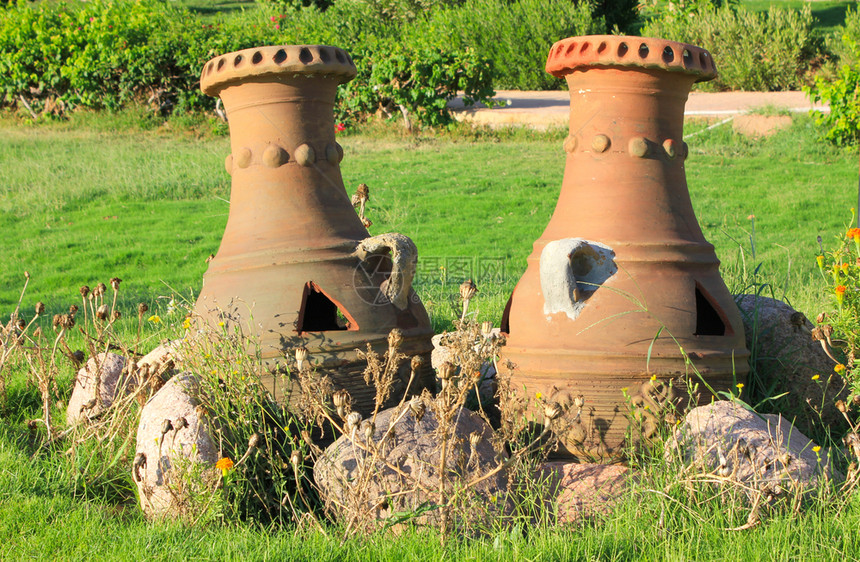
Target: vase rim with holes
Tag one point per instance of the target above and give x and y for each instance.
(296, 266)
(622, 303)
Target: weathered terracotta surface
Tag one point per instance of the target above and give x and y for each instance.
(623, 258)
(295, 261)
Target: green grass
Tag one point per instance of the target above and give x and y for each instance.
(41, 520)
(829, 14)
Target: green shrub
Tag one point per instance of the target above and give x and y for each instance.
(105, 54)
(515, 36)
(753, 51)
(842, 124)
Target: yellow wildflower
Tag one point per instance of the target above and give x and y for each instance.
(653, 378)
(186, 325)
(155, 319)
(816, 449)
(539, 395)
(816, 377)
(740, 386)
(839, 368)
(221, 324)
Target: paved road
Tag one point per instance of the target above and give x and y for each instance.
(546, 109)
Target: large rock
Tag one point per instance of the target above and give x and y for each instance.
(97, 385)
(733, 442)
(355, 487)
(176, 450)
(580, 492)
(787, 359)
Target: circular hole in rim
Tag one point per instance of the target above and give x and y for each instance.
(238, 60)
(601, 47)
(338, 54)
(703, 59)
(280, 56)
(668, 54)
(643, 50)
(324, 56)
(257, 58)
(622, 49)
(305, 55)
(688, 58)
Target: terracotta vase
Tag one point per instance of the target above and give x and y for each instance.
(296, 264)
(622, 283)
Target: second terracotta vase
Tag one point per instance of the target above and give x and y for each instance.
(622, 305)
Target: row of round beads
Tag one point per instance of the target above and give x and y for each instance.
(275, 156)
(639, 147)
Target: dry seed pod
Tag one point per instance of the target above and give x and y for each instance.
(579, 401)
(166, 426)
(446, 370)
(416, 363)
(114, 282)
(40, 308)
(369, 428)
(295, 457)
(142, 308)
(301, 357)
(340, 398)
(67, 321)
(416, 405)
(353, 420)
(102, 312)
(85, 290)
(20, 324)
(181, 423)
(37, 333)
(840, 405)
(116, 315)
(254, 441)
(56, 321)
(73, 309)
(467, 290)
(487, 329)
(822, 316)
(474, 439)
(101, 289)
(552, 410)
(395, 338)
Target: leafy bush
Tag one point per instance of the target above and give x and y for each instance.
(842, 124)
(107, 54)
(514, 36)
(753, 51)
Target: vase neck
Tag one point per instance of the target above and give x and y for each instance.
(285, 164)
